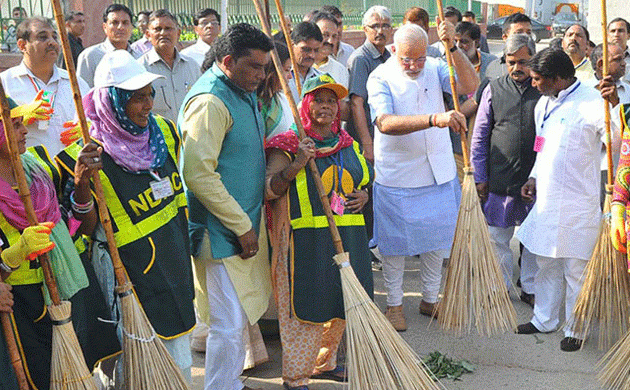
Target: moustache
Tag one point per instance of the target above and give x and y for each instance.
(574, 43)
(380, 36)
(518, 73)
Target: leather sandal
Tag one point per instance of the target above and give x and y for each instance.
(338, 374)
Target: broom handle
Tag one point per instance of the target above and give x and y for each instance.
(25, 193)
(287, 38)
(451, 73)
(323, 197)
(609, 157)
(14, 353)
(103, 212)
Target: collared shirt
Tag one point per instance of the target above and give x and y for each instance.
(22, 85)
(336, 70)
(92, 56)
(141, 46)
(76, 47)
(171, 90)
(360, 64)
(421, 158)
(565, 220)
(343, 54)
(312, 72)
(197, 51)
(584, 70)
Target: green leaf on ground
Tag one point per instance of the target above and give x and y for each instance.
(444, 367)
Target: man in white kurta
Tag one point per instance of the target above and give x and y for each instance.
(562, 228)
(416, 191)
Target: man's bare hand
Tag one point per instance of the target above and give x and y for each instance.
(249, 244)
(453, 119)
(528, 191)
(482, 191)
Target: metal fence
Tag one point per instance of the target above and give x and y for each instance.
(238, 11)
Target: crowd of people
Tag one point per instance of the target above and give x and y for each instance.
(216, 218)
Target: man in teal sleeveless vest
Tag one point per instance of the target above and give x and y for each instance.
(224, 170)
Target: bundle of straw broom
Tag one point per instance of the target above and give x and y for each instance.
(474, 285)
(147, 363)
(68, 369)
(378, 358)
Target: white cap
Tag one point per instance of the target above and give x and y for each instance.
(119, 69)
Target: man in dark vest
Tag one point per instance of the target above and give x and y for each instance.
(503, 155)
(224, 169)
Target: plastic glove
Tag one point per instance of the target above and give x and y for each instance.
(34, 241)
(618, 227)
(72, 132)
(38, 110)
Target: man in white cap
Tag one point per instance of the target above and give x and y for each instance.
(38, 77)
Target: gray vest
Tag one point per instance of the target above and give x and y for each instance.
(512, 153)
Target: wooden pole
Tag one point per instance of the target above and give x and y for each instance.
(609, 158)
(296, 117)
(287, 38)
(103, 212)
(451, 73)
(25, 195)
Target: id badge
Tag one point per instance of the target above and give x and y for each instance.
(161, 188)
(337, 204)
(539, 142)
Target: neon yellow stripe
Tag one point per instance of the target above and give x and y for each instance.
(322, 222)
(171, 143)
(366, 171)
(306, 210)
(152, 256)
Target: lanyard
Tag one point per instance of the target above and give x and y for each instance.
(338, 159)
(548, 114)
(37, 89)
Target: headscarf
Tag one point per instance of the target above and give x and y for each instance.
(130, 146)
(289, 140)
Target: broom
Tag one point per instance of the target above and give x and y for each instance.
(474, 291)
(605, 295)
(68, 369)
(14, 353)
(378, 357)
(147, 363)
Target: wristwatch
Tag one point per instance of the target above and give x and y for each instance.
(453, 49)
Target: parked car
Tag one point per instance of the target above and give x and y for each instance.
(562, 21)
(494, 30)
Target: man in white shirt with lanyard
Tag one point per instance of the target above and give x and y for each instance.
(416, 190)
(39, 43)
(562, 228)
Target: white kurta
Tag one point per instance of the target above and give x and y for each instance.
(564, 222)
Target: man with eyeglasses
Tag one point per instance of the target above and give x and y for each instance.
(416, 190)
(502, 153)
(117, 27)
(180, 72)
(38, 77)
(207, 27)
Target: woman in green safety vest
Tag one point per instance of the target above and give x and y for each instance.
(308, 284)
(145, 197)
(20, 245)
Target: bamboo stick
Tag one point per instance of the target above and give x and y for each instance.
(287, 38)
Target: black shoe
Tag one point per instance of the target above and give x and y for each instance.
(570, 344)
(527, 328)
(528, 298)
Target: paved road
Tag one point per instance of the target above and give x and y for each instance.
(507, 361)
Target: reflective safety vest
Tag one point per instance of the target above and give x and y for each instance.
(28, 272)
(143, 215)
(306, 208)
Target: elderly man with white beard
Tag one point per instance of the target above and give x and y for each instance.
(416, 191)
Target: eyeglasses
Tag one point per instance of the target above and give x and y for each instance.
(406, 61)
(213, 23)
(382, 26)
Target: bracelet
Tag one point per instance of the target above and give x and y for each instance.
(81, 208)
(453, 49)
(431, 124)
(6, 268)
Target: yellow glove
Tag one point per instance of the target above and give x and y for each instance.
(39, 109)
(34, 241)
(72, 132)
(618, 227)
